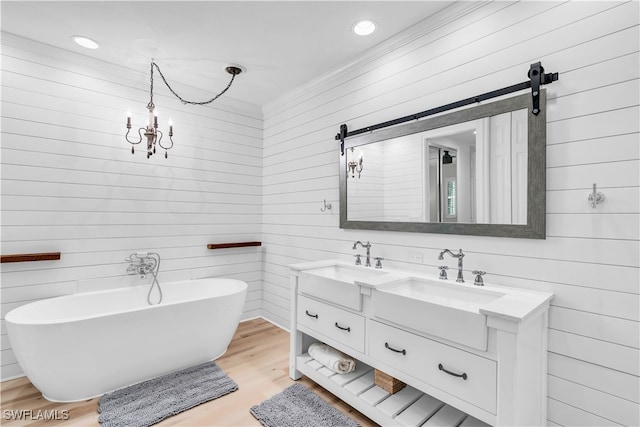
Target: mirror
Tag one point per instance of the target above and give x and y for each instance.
(478, 171)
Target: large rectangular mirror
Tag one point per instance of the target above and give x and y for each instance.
(478, 171)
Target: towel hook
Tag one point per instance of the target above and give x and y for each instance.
(326, 206)
(595, 196)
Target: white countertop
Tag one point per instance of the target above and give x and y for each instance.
(515, 305)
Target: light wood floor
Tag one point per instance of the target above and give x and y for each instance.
(257, 360)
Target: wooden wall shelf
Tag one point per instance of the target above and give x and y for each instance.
(45, 256)
(232, 245)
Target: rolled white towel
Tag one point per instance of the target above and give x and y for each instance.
(331, 358)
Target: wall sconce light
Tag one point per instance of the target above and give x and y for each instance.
(151, 132)
(356, 166)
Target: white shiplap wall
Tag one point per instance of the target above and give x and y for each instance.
(368, 194)
(404, 183)
(590, 257)
(70, 183)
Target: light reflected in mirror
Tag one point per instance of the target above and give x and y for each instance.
(471, 172)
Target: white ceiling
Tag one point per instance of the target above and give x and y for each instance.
(282, 44)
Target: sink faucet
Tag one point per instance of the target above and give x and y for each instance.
(459, 255)
(367, 246)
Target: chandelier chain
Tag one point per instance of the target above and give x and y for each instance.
(184, 101)
(151, 85)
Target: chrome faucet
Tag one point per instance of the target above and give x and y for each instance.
(459, 255)
(367, 246)
(144, 263)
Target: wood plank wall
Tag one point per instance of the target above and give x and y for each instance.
(70, 183)
(403, 179)
(590, 257)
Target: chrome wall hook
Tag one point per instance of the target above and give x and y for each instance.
(595, 197)
(327, 206)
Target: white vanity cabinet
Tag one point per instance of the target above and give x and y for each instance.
(329, 321)
(471, 377)
(494, 374)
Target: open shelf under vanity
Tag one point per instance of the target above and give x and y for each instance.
(407, 407)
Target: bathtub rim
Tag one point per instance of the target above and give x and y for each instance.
(9, 317)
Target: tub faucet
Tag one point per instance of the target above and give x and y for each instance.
(143, 263)
(459, 255)
(367, 246)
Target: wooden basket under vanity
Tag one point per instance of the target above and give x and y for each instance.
(387, 382)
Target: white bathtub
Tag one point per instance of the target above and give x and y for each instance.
(81, 346)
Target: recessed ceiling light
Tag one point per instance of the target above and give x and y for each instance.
(85, 42)
(364, 28)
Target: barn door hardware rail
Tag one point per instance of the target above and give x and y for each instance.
(537, 78)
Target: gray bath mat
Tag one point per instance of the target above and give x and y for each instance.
(297, 406)
(151, 401)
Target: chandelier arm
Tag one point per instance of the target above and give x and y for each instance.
(139, 134)
(184, 101)
(168, 147)
(159, 140)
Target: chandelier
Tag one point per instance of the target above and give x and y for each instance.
(355, 165)
(151, 133)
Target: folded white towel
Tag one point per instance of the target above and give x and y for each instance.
(331, 358)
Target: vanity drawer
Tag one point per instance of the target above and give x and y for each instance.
(335, 323)
(457, 372)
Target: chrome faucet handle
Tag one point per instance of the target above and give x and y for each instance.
(479, 274)
(358, 260)
(379, 262)
(443, 272)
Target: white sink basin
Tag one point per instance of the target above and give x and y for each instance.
(345, 273)
(441, 308)
(444, 293)
(337, 283)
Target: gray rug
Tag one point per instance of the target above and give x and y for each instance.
(151, 401)
(297, 406)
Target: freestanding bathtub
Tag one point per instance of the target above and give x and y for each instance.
(81, 346)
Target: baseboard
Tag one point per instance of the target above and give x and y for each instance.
(15, 377)
(267, 320)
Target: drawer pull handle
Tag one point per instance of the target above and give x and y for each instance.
(403, 351)
(311, 315)
(348, 328)
(462, 375)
